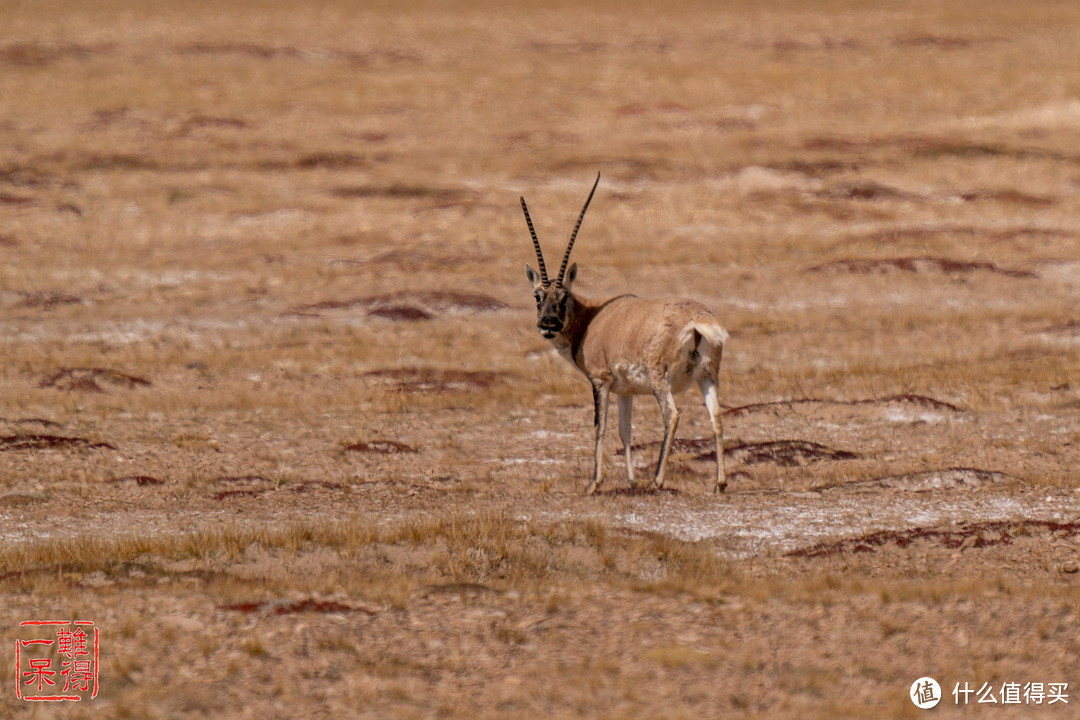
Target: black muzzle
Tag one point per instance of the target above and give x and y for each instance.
(549, 326)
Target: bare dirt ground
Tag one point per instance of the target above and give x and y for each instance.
(275, 417)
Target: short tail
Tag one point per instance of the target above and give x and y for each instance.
(708, 340)
(710, 334)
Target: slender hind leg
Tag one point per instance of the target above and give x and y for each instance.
(600, 408)
(671, 421)
(712, 403)
(626, 410)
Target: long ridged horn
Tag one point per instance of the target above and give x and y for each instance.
(573, 236)
(536, 243)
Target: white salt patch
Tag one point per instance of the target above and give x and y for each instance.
(790, 523)
(1049, 116)
(903, 415)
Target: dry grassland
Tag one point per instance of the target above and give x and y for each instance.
(274, 414)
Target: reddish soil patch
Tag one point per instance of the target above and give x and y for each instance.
(1072, 327)
(788, 453)
(314, 161)
(16, 200)
(943, 42)
(383, 447)
(47, 299)
(837, 43)
(926, 146)
(579, 47)
(867, 191)
(912, 398)
(86, 379)
(937, 148)
(404, 192)
(677, 445)
(141, 480)
(923, 264)
(399, 313)
(264, 52)
(296, 606)
(22, 176)
(225, 495)
(332, 160)
(37, 54)
(254, 481)
(813, 168)
(827, 143)
(979, 534)
(313, 308)
(46, 442)
(270, 52)
(642, 490)
(215, 121)
(114, 161)
(1008, 196)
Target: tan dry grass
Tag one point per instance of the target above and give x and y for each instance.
(511, 552)
(179, 180)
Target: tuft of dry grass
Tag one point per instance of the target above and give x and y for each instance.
(485, 547)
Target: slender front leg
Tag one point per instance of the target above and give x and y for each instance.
(600, 408)
(671, 421)
(712, 403)
(626, 410)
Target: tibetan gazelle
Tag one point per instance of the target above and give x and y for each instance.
(631, 346)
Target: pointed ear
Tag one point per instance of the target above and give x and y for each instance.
(533, 276)
(571, 275)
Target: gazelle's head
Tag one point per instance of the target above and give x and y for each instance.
(554, 311)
